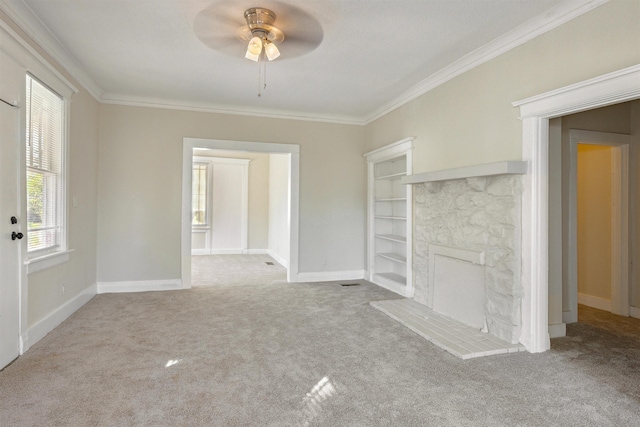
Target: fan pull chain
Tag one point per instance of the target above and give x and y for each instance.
(259, 77)
(262, 74)
(265, 75)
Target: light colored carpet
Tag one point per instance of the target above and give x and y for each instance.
(279, 354)
(235, 270)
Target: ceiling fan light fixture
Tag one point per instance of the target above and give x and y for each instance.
(264, 36)
(251, 56)
(271, 50)
(255, 46)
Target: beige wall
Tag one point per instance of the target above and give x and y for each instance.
(466, 121)
(258, 232)
(469, 120)
(45, 294)
(140, 188)
(594, 220)
(45, 287)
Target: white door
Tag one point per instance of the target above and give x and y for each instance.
(11, 79)
(227, 209)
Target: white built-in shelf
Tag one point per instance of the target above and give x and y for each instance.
(395, 218)
(389, 217)
(393, 257)
(392, 199)
(394, 277)
(392, 237)
(392, 176)
(487, 169)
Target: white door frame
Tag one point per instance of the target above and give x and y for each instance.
(535, 112)
(293, 150)
(619, 219)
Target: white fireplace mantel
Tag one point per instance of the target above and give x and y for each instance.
(487, 169)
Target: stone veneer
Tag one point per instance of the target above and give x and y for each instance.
(480, 214)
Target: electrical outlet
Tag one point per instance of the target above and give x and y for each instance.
(324, 261)
(63, 288)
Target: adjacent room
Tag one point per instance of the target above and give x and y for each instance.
(240, 204)
(329, 212)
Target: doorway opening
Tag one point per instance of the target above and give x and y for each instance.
(599, 222)
(536, 113)
(592, 218)
(239, 217)
(224, 227)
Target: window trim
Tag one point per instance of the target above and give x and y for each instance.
(205, 161)
(41, 259)
(49, 260)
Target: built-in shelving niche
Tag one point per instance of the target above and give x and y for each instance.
(389, 211)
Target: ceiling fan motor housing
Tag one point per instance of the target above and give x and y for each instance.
(258, 16)
(260, 22)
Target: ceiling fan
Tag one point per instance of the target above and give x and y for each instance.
(231, 27)
(220, 28)
(262, 34)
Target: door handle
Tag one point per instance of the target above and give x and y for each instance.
(15, 235)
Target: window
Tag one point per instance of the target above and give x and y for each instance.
(199, 194)
(45, 167)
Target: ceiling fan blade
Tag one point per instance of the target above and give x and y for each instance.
(303, 32)
(219, 28)
(293, 47)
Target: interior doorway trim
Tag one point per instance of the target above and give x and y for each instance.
(619, 219)
(293, 150)
(535, 112)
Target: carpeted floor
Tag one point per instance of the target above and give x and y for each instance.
(250, 352)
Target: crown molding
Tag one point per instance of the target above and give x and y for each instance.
(553, 18)
(34, 61)
(238, 110)
(24, 17)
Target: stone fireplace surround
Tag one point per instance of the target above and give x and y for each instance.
(473, 210)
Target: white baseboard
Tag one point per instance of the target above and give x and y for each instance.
(45, 325)
(569, 316)
(557, 330)
(634, 312)
(139, 286)
(594, 302)
(256, 251)
(229, 252)
(283, 262)
(330, 276)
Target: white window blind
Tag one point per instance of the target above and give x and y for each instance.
(44, 154)
(199, 194)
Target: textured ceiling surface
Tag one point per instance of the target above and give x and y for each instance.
(340, 58)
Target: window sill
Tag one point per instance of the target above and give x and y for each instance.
(47, 261)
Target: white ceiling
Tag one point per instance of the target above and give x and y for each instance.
(370, 57)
